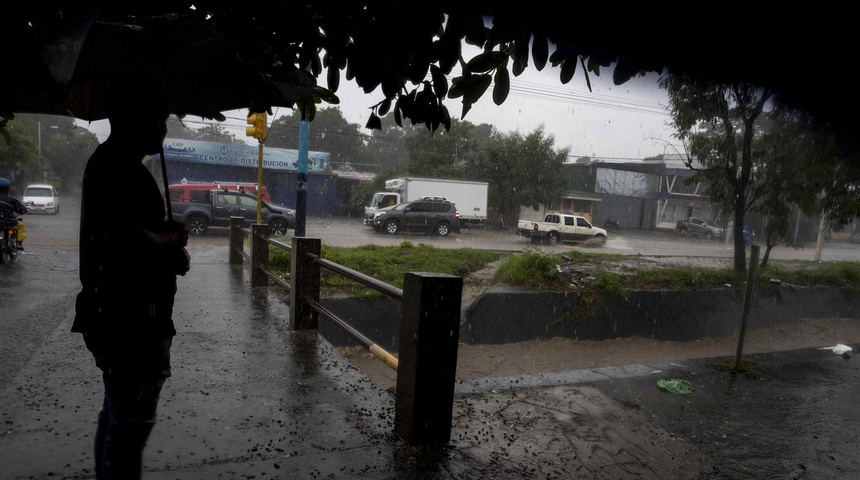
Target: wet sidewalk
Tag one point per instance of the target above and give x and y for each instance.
(250, 398)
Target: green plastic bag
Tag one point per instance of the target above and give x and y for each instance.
(674, 385)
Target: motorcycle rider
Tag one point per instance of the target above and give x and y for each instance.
(10, 207)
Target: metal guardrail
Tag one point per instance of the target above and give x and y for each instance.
(429, 332)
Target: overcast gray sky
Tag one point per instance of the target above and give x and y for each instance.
(628, 121)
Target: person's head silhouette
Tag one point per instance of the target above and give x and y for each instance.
(137, 109)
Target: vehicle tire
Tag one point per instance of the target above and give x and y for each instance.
(554, 238)
(8, 250)
(683, 232)
(443, 229)
(709, 235)
(600, 239)
(278, 227)
(392, 227)
(197, 225)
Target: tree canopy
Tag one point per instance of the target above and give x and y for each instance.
(410, 50)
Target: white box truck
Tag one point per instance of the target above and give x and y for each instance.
(469, 197)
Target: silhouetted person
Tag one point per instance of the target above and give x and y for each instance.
(10, 209)
(129, 258)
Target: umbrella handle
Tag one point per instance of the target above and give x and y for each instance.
(164, 180)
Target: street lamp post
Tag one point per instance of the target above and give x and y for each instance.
(44, 171)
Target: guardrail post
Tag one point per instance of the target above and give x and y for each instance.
(304, 283)
(236, 237)
(259, 255)
(427, 360)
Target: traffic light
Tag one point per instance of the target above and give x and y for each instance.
(258, 128)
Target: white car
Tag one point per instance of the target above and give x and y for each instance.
(41, 198)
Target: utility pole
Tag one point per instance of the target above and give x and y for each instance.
(302, 177)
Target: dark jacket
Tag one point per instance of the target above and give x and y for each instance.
(10, 208)
(128, 285)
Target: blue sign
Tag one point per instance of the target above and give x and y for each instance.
(233, 154)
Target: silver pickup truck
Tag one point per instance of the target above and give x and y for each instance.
(699, 227)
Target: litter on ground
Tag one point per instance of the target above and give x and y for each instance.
(675, 385)
(840, 349)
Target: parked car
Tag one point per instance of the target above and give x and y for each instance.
(699, 226)
(427, 214)
(220, 206)
(41, 198)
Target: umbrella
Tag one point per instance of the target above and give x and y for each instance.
(202, 73)
(70, 66)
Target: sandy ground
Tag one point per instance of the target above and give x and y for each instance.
(561, 354)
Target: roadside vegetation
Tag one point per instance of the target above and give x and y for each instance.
(387, 264)
(574, 270)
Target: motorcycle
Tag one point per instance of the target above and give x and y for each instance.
(9, 243)
(611, 225)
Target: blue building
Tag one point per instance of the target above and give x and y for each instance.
(199, 161)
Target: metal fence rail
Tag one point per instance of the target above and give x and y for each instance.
(429, 333)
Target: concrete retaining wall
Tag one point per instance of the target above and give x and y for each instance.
(507, 315)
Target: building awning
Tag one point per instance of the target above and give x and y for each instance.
(577, 195)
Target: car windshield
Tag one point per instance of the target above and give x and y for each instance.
(38, 192)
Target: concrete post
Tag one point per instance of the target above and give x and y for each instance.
(259, 255)
(236, 236)
(427, 360)
(304, 283)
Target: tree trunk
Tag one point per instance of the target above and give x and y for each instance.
(740, 248)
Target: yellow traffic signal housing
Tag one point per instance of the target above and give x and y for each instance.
(258, 128)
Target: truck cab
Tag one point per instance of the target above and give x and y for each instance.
(380, 200)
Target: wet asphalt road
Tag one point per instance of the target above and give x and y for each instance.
(797, 419)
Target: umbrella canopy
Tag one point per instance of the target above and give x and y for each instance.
(69, 68)
(71, 65)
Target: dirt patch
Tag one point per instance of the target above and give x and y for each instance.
(562, 354)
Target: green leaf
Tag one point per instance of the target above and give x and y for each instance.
(384, 106)
(502, 86)
(458, 89)
(487, 61)
(316, 65)
(568, 68)
(374, 122)
(467, 105)
(446, 117)
(312, 112)
(540, 50)
(440, 82)
(473, 26)
(327, 96)
(398, 118)
(477, 87)
(333, 78)
(521, 58)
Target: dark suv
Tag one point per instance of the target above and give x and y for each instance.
(427, 214)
